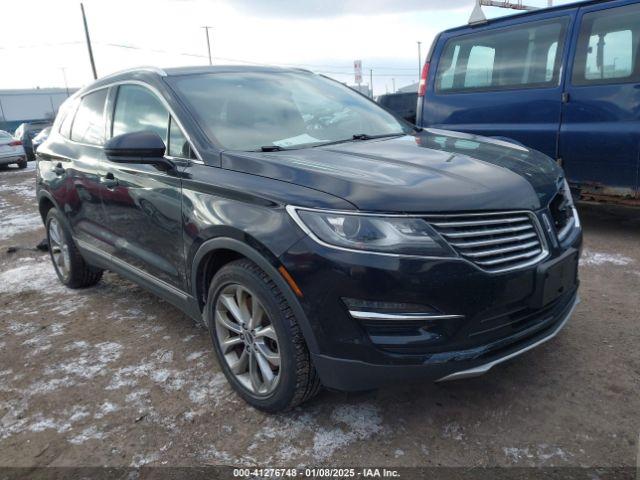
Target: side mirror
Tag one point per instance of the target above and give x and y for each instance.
(138, 147)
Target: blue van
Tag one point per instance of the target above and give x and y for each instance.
(563, 80)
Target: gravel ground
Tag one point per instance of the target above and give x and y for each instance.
(114, 376)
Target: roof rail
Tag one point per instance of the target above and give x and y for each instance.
(152, 69)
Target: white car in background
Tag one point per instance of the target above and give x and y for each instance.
(11, 151)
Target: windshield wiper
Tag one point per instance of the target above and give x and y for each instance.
(364, 136)
(360, 136)
(271, 148)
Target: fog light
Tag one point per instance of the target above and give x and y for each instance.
(375, 310)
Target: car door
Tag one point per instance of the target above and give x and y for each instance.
(71, 167)
(502, 80)
(600, 133)
(143, 202)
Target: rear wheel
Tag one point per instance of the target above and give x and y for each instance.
(257, 339)
(69, 265)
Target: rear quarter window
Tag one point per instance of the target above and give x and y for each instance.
(523, 56)
(88, 124)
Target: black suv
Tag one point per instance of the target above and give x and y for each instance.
(322, 240)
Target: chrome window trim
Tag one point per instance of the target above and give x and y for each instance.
(157, 93)
(292, 211)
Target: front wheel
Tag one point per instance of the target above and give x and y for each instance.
(257, 339)
(69, 265)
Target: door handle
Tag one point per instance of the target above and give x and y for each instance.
(59, 169)
(109, 181)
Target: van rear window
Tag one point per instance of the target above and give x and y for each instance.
(524, 56)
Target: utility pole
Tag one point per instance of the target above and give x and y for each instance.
(86, 33)
(64, 75)
(419, 61)
(206, 29)
(371, 81)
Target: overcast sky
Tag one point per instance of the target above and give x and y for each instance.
(43, 37)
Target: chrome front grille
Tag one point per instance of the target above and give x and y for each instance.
(495, 242)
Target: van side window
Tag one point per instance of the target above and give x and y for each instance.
(523, 56)
(88, 125)
(608, 47)
(480, 67)
(551, 61)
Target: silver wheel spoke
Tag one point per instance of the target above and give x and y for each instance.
(267, 332)
(223, 320)
(231, 342)
(256, 313)
(240, 365)
(253, 373)
(242, 299)
(229, 301)
(265, 369)
(272, 357)
(54, 234)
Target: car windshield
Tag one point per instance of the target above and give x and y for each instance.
(251, 111)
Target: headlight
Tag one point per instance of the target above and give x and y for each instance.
(566, 191)
(372, 233)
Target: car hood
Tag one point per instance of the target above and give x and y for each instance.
(431, 171)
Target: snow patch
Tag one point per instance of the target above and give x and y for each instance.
(195, 355)
(16, 223)
(90, 362)
(599, 258)
(140, 460)
(540, 454)
(36, 276)
(89, 433)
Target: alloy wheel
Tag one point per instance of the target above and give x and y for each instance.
(59, 249)
(247, 339)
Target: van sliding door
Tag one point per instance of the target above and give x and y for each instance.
(600, 133)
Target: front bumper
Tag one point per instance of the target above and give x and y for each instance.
(483, 318)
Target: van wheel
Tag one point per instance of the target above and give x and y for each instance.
(22, 163)
(69, 265)
(257, 339)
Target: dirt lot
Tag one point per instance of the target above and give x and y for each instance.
(113, 376)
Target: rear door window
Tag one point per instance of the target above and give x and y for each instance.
(88, 125)
(608, 47)
(524, 56)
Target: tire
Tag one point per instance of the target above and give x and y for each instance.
(22, 163)
(296, 380)
(68, 263)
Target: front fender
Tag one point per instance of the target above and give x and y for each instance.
(266, 262)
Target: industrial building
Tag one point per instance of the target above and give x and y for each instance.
(18, 106)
